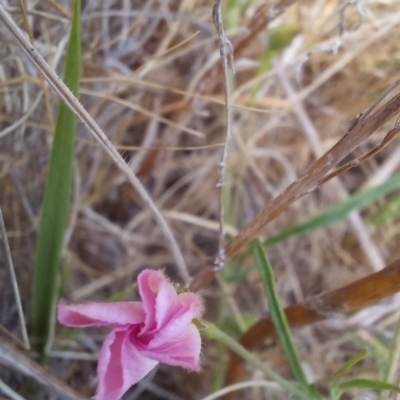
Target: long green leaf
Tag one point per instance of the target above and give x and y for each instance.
(339, 212)
(277, 314)
(57, 194)
(366, 384)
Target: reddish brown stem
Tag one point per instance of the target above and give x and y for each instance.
(308, 182)
(356, 162)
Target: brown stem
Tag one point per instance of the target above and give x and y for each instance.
(309, 181)
(357, 161)
(349, 298)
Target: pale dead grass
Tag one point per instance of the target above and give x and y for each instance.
(151, 81)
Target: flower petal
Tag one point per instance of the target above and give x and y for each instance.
(99, 314)
(149, 282)
(183, 350)
(120, 366)
(174, 315)
(167, 304)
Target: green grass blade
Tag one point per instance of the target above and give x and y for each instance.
(347, 366)
(367, 384)
(57, 194)
(394, 355)
(377, 349)
(212, 332)
(339, 212)
(277, 314)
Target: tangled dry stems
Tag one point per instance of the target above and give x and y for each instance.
(111, 233)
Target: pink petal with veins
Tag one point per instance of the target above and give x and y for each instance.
(120, 365)
(149, 283)
(101, 314)
(183, 350)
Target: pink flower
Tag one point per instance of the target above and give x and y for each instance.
(159, 329)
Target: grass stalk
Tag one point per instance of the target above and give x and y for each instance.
(57, 195)
(278, 315)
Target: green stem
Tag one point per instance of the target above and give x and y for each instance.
(212, 332)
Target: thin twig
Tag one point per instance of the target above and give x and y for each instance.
(142, 110)
(384, 96)
(366, 243)
(240, 386)
(12, 358)
(74, 104)
(357, 161)
(385, 170)
(12, 336)
(60, 8)
(9, 392)
(16, 177)
(342, 301)
(226, 50)
(212, 332)
(14, 282)
(28, 28)
(24, 118)
(307, 182)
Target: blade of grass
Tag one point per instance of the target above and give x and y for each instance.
(344, 300)
(394, 354)
(348, 365)
(57, 194)
(364, 384)
(378, 350)
(339, 212)
(212, 332)
(240, 386)
(277, 314)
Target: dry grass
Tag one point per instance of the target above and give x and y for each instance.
(152, 81)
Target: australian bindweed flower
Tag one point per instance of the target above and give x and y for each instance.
(158, 329)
